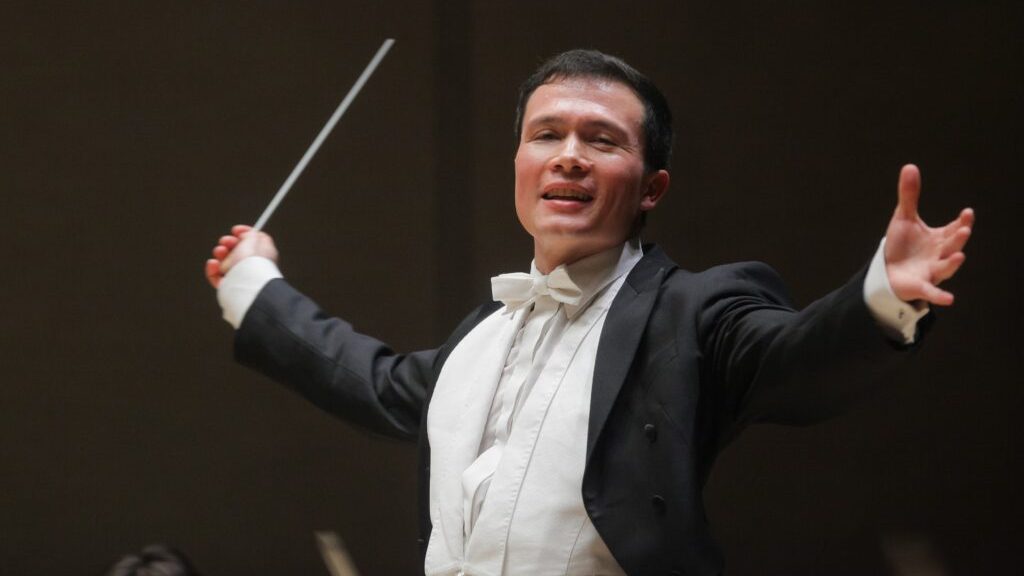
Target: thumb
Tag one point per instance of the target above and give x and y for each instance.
(908, 192)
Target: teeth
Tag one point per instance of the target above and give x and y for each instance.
(566, 194)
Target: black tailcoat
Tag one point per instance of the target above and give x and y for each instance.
(685, 361)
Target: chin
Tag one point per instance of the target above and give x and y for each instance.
(577, 244)
(563, 226)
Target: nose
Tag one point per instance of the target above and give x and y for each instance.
(570, 157)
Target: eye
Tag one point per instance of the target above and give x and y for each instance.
(545, 135)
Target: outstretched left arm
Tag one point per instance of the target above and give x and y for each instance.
(917, 257)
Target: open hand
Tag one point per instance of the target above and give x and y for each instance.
(917, 257)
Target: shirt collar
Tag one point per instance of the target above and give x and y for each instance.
(595, 272)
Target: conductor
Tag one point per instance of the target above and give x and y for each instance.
(569, 426)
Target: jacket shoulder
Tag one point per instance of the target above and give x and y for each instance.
(753, 278)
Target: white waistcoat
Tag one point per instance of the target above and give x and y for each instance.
(532, 519)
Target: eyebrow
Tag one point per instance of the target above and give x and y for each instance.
(598, 123)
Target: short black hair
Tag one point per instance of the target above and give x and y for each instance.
(154, 560)
(580, 63)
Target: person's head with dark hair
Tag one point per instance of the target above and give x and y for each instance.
(154, 560)
(579, 63)
(595, 139)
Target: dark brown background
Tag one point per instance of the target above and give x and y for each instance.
(135, 133)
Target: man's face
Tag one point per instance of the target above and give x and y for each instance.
(580, 177)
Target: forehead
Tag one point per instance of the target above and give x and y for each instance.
(585, 99)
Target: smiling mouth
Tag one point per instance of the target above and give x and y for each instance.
(569, 195)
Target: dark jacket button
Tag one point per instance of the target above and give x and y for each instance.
(658, 502)
(651, 432)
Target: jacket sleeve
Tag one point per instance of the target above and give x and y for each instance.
(287, 337)
(771, 363)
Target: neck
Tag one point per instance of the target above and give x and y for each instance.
(547, 258)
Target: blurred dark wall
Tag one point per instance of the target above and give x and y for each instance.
(136, 133)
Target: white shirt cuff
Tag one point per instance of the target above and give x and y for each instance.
(897, 318)
(240, 286)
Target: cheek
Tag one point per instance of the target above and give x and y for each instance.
(525, 184)
(524, 209)
(527, 165)
(628, 186)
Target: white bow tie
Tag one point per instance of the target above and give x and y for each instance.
(518, 289)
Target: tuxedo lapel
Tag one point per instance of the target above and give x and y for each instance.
(627, 319)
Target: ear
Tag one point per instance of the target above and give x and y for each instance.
(657, 185)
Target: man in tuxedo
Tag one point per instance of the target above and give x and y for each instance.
(569, 426)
